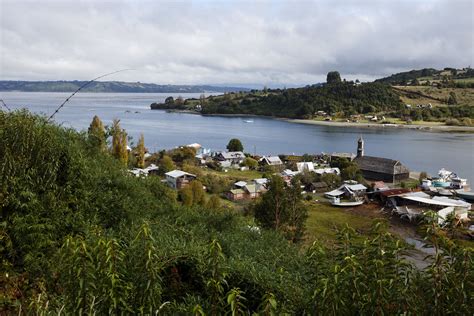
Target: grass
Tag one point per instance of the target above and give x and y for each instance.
(464, 96)
(324, 219)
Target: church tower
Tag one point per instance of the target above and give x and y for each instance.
(360, 147)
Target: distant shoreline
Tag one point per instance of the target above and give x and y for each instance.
(418, 127)
(433, 128)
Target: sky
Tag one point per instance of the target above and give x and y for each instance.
(274, 43)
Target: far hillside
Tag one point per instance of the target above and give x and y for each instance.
(342, 100)
(448, 77)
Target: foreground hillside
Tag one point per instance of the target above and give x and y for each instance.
(79, 235)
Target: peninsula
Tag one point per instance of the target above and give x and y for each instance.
(444, 98)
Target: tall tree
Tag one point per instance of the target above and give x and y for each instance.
(119, 142)
(235, 145)
(141, 152)
(97, 133)
(333, 77)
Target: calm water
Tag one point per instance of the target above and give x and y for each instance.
(418, 150)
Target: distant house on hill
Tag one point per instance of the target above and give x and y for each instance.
(227, 159)
(271, 161)
(378, 168)
(178, 179)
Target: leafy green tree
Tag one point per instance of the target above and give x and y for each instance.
(214, 202)
(141, 152)
(282, 209)
(333, 77)
(199, 196)
(452, 99)
(332, 180)
(235, 145)
(96, 133)
(119, 142)
(166, 164)
(250, 163)
(351, 172)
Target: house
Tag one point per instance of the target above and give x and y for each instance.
(378, 168)
(247, 191)
(178, 179)
(347, 190)
(322, 171)
(316, 187)
(235, 194)
(261, 183)
(150, 170)
(271, 161)
(305, 166)
(228, 159)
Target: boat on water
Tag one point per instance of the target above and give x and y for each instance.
(337, 202)
(248, 121)
(465, 195)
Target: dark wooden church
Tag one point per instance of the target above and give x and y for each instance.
(377, 168)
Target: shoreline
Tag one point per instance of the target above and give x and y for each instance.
(417, 127)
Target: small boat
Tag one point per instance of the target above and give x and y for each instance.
(465, 195)
(248, 121)
(338, 202)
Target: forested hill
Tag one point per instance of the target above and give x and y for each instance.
(346, 97)
(110, 86)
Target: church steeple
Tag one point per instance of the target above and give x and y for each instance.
(360, 147)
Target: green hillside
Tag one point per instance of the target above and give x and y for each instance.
(78, 235)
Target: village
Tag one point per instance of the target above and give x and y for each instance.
(342, 186)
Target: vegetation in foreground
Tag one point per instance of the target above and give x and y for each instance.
(78, 235)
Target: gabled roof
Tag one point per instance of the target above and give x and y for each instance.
(240, 184)
(380, 165)
(251, 188)
(178, 173)
(353, 187)
(272, 160)
(261, 180)
(232, 155)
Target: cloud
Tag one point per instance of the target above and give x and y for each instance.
(267, 42)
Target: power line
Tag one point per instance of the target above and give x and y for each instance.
(5, 105)
(80, 88)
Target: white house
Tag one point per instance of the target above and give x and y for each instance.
(227, 159)
(178, 179)
(305, 166)
(271, 160)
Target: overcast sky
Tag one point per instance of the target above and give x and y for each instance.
(238, 42)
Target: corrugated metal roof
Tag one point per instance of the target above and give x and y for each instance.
(178, 173)
(380, 165)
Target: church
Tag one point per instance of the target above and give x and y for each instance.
(379, 169)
